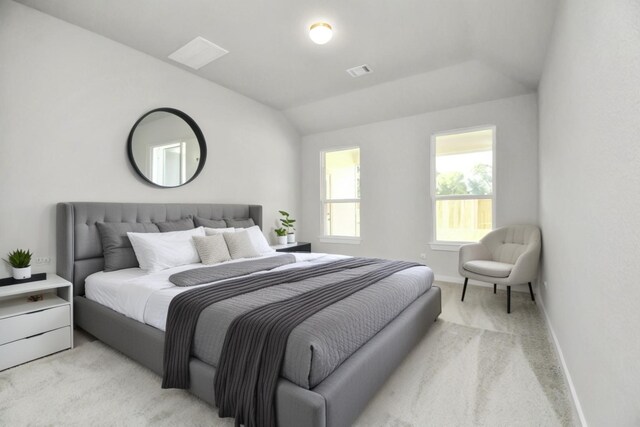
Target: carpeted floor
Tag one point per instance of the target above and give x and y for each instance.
(476, 366)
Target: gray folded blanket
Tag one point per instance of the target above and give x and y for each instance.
(254, 347)
(200, 276)
(185, 309)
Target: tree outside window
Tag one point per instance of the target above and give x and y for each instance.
(463, 185)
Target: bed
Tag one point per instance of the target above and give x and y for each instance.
(336, 400)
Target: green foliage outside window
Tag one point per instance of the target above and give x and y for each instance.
(455, 183)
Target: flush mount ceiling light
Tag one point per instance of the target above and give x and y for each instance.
(320, 32)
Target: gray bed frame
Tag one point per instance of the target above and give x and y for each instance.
(336, 401)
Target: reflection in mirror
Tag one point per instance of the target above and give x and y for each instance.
(167, 148)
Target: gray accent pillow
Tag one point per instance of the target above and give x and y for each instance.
(240, 245)
(240, 223)
(211, 231)
(116, 246)
(211, 223)
(212, 249)
(179, 225)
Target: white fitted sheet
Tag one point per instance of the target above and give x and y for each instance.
(145, 297)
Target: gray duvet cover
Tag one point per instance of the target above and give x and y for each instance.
(322, 342)
(200, 276)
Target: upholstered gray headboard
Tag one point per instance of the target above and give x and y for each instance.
(79, 248)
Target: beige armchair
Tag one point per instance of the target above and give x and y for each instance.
(506, 256)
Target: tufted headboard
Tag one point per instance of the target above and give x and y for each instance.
(79, 247)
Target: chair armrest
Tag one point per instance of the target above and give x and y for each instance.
(526, 266)
(473, 251)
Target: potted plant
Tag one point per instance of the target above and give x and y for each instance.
(20, 261)
(287, 223)
(282, 235)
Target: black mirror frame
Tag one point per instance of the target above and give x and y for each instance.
(194, 127)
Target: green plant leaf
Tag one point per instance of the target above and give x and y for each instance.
(20, 258)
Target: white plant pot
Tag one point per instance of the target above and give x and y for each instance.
(21, 273)
(282, 240)
(291, 238)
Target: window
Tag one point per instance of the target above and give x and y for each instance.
(169, 164)
(340, 193)
(462, 184)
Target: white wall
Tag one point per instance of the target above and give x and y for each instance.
(396, 212)
(590, 203)
(68, 99)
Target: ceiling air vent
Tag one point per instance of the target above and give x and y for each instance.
(360, 70)
(198, 53)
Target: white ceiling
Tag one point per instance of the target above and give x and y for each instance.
(426, 54)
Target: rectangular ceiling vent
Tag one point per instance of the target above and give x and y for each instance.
(360, 70)
(198, 53)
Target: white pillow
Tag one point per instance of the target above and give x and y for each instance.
(212, 249)
(259, 241)
(211, 231)
(159, 251)
(240, 245)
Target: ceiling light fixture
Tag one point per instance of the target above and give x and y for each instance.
(320, 32)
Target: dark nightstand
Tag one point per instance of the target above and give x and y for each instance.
(293, 247)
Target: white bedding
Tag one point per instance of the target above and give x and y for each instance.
(145, 297)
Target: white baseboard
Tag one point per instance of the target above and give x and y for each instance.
(565, 369)
(460, 280)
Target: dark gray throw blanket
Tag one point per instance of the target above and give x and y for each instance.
(185, 309)
(255, 344)
(200, 276)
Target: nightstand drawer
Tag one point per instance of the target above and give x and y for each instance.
(17, 352)
(26, 325)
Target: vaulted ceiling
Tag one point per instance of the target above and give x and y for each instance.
(426, 54)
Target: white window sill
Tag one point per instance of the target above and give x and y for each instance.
(340, 239)
(446, 246)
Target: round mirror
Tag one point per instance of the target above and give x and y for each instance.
(167, 148)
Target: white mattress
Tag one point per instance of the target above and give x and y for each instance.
(145, 297)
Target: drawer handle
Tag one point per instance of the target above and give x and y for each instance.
(36, 335)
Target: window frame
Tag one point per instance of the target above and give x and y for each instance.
(324, 237)
(446, 245)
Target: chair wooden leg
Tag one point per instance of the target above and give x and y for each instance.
(531, 292)
(464, 290)
(494, 287)
(508, 299)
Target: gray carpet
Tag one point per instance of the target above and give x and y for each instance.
(477, 366)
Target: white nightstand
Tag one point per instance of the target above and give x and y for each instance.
(33, 329)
